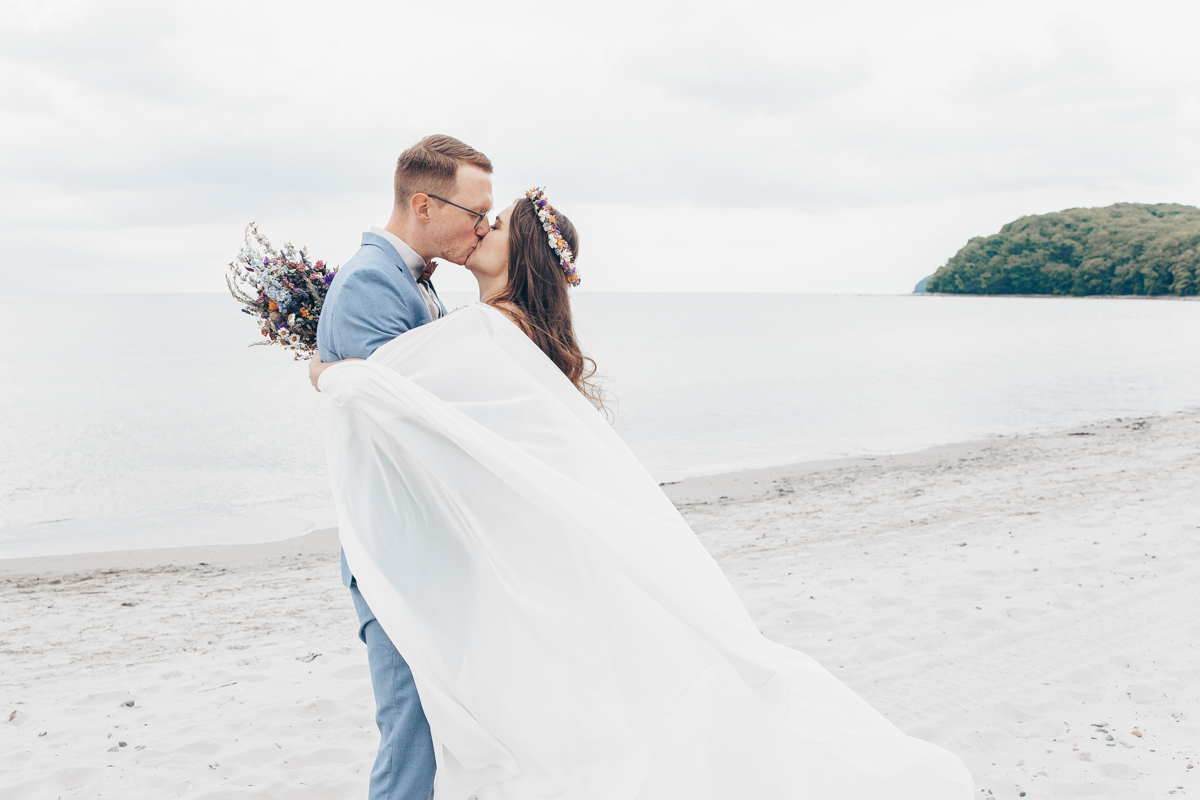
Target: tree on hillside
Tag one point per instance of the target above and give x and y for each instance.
(1123, 249)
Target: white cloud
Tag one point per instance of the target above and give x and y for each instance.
(816, 147)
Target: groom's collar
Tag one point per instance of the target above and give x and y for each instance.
(415, 264)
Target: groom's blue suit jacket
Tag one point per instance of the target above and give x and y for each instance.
(372, 300)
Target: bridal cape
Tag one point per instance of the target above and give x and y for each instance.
(569, 636)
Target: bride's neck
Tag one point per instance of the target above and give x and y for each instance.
(489, 287)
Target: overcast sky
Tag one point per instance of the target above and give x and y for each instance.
(756, 146)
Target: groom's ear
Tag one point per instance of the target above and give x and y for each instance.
(418, 206)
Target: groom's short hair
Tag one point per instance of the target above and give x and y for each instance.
(431, 166)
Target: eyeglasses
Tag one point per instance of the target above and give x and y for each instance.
(478, 217)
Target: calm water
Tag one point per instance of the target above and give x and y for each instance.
(144, 421)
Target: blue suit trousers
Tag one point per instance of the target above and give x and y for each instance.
(405, 764)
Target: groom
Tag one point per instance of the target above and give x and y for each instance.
(443, 196)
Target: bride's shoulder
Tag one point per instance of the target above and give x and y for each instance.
(488, 310)
(488, 314)
(469, 310)
(507, 309)
(476, 312)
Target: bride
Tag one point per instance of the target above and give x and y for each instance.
(568, 634)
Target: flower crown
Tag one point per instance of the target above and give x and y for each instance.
(545, 212)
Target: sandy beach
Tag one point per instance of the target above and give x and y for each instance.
(1030, 603)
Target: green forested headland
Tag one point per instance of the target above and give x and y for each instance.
(1124, 249)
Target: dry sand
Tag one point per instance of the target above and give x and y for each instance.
(1016, 600)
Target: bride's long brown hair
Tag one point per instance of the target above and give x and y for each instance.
(537, 293)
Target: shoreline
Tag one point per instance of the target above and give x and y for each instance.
(734, 486)
(749, 484)
(219, 555)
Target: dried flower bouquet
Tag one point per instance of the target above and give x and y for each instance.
(282, 289)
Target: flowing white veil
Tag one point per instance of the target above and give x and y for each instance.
(568, 634)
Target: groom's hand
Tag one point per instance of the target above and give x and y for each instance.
(315, 367)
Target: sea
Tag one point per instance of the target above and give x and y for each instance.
(135, 421)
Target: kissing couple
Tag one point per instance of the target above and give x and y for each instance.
(540, 621)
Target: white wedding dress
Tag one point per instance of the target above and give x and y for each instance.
(569, 636)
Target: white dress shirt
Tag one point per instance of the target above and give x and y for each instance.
(416, 265)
